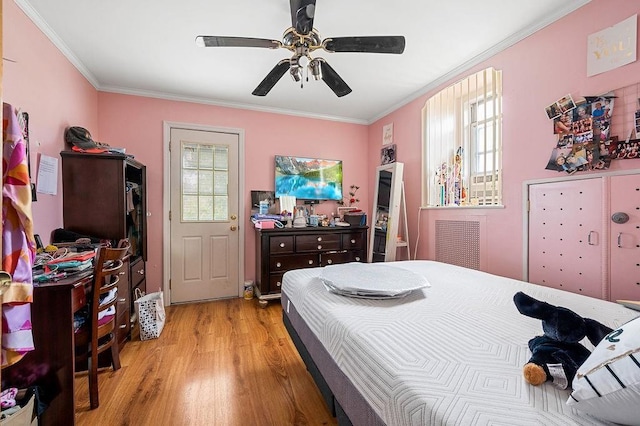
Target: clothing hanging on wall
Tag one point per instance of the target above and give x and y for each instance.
(18, 242)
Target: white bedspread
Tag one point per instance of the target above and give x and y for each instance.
(449, 354)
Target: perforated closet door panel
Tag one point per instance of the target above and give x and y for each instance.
(625, 238)
(565, 238)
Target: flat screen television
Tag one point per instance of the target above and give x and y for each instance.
(308, 178)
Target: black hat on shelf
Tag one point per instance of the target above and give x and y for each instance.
(79, 137)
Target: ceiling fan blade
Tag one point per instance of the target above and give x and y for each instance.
(272, 78)
(217, 41)
(333, 80)
(302, 14)
(372, 44)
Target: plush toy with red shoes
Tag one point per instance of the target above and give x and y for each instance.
(557, 354)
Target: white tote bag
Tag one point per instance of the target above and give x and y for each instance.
(151, 315)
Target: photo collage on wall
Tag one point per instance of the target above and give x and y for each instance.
(583, 134)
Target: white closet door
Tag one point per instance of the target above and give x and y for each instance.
(625, 238)
(565, 236)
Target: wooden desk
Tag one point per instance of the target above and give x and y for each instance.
(51, 364)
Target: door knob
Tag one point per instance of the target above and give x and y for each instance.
(620, 217)
(234, 227)
(234, 217)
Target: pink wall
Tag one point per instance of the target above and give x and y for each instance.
(43, 83)
(137, 124)
(537, 71)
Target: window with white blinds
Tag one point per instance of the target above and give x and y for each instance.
(462, 143)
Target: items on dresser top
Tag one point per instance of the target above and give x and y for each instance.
(61, 264)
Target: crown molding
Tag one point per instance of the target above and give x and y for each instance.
(205, 101)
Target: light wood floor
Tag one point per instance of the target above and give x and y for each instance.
(219, 363)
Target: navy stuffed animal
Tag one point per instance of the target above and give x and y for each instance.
(556, 355)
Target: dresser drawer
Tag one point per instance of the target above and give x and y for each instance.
(318, 242)
(124, 292)
(283, 264)
(353, 241)
(78, 298)
(281, 244)
(137, 272)
(344, 256)
(123, 325)
(275, 283)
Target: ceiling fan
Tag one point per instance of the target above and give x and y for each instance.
(302, 39)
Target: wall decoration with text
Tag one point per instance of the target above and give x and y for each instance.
(612, 47)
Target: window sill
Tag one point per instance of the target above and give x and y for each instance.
(501, 206)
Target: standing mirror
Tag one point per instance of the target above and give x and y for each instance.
(386, 213)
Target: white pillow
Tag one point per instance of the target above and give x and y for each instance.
(607, 384)
(371, 280)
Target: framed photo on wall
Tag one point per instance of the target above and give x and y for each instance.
(388, 154)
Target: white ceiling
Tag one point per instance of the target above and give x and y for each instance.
(146, 47)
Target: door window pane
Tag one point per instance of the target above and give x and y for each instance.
(190, 182)
(205, 183)
(189, 208)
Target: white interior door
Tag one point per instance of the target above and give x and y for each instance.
(204, 215)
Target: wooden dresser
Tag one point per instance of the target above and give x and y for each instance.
(104, 196)
(281, 250)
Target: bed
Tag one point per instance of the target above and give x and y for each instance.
(448, 354)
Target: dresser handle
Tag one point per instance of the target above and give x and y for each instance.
(123, 326)
(121, 273)
(329, 262)
(282, 245)
(319, 246)
(122, 300)
(357, 258)
(353, 241)
(278, 265)
(311, 262)
(141, 271)
(278, 284)
(319, 239)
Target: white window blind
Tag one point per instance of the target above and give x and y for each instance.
(462, 143)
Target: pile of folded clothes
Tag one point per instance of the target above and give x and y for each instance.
(61, 264)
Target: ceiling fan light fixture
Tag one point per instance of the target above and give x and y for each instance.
(296, 73)
(315, 69)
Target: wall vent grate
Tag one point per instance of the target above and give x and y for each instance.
(458, 243)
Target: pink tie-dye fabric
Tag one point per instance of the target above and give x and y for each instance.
(18, 242)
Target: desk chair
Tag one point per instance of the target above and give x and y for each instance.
(95, 336)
